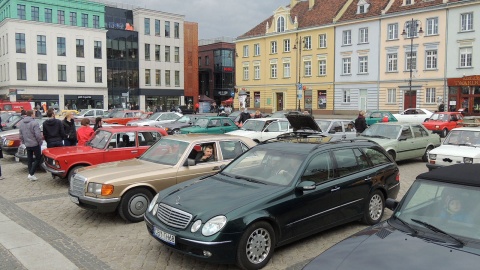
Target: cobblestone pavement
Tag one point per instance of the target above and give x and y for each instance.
(105, 241)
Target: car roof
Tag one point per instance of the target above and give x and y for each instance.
(214, 117)
(294, 148)
(202, 136)
(463, 174)
(128, 128)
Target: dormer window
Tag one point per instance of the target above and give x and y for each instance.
(408, 2)
(280, 24)
(362, 7)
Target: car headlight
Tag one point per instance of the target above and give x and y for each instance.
(152, 203)
(432, 156)
(100, 189)
(8, 143)
(214, 225)
(56, 164)
(468, 160)
(196, 225)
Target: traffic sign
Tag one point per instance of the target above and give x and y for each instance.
(299, 96)
(299, 86)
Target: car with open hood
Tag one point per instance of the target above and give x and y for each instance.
(262, 129)
(156, 119)
(435, 226)
(108, 144)
(442, 122)
(210, 125)
(275, 193)
(128, 187)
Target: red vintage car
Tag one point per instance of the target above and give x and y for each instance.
(443, 122)
(109, 144)
(122, 117)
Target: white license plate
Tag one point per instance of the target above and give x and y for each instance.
(169, 238)
(17, 159)
(74, 199)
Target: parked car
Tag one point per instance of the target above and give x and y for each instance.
(338, 129)
(11, 142)
(131, 184)
(282, 114)
(372, 117)
(262, 129)
(12, 122)
(92, 113)
(175, 126)
(123, 117)
(427, 229)
(462, 145)
(403, 140)
(4, 117)
(272, 195)
(413, 115)
(211, 125)
(156, 118)
(108, 144)
(442, 122)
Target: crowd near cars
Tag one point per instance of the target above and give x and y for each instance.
(225, 192)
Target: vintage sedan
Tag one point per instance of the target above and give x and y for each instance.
(272, 195)
(11, 142)
(372, 117)
(108, 144)
(435, 226)
(129, 186)
(155, 119)
(210, 125)
(442, 122)
(90, 113)
(338, 129)
(262, 129)
(175, 126)
(123, 117)
(413, 115)
(403, 140)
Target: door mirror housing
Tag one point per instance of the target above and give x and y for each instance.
(189, 162)
(306, 185)
(402, 138)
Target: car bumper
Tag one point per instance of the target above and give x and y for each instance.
(223, 251)
(95, 204)
(20, 158)
(433, 166)
(393, 191)
(60, 173)
(9, 150)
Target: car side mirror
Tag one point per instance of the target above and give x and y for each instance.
(402, 138)
(222, 166)
(306, 185)
(189, 162)
(391, 204)
(331, 132)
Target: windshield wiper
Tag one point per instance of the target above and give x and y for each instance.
(379, 136)
(248, 179)
(435, 229)
(406, 225)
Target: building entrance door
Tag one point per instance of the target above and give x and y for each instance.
(410, 99)
(279, 104)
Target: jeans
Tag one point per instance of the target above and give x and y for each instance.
(33, 165)
(54, 144)
(68, 142)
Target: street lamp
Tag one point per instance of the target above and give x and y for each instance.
(411, 30)
(298, 40)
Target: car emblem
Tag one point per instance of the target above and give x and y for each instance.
(178, 200)
(447, 160)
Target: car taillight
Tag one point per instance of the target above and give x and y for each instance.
(397, 177)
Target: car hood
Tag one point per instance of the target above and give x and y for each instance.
(302, 122)
(456, 150)
(245, 133)
(141, 121)
(384, 247)
(229, 195)
(70, 151)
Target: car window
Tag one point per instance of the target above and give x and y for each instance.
(419, 112)
(346, 162)
(148, 138)
(89, 113)
(419, 131)
(336, 126)
(165, 151)
(376, 115)
(200, 153)
(407, 132)
(214, 123)
(273, 127)
(101, 138)
(320, 169)
(226, 122)
(231, 149)
(361, 159)
(376, 157)
(348, 126)
(126, 139)
(284, 125)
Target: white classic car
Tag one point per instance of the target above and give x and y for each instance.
(462, 145)
(413, 115)
(262, 129)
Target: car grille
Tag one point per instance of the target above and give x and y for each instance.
(49, 161)
(77, 185)
(173, 217)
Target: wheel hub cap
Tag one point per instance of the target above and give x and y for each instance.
(258, 246)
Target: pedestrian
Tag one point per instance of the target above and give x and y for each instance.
(53, 130)
(98, 123)
(197, 107)
(360, 122)
(38, 113)
(385, 118)
(244, 116)
(228, 109)
(31, 137)
(257, 114)
(85, 132)
(148, 108)
(22, 111)
(70, 130)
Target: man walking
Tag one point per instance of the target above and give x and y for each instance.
(53, 131)
(32, 138)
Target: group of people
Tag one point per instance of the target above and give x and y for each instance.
(55, 132)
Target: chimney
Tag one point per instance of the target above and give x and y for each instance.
(311, 3)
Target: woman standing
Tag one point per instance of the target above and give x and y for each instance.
(85, 132)
(98, 123)
(70, 130)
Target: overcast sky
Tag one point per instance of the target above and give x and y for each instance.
(216, 18)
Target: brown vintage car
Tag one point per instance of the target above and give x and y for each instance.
(129, 186)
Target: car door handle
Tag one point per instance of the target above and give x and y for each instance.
(216, 168)
(335, 189)
(134, 151)
(369, 178)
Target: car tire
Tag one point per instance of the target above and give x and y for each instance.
(256, 246)
(374, 208)
(425, 156)
(444, 133)
(134, 203)
(392, 154)
(72, 172)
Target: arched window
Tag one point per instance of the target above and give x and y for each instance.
(281, 24)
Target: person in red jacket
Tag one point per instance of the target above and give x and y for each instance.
(385, 118)
(85, 132)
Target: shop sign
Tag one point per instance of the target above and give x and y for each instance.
(223, 93)
(465, 81)
(84, 96)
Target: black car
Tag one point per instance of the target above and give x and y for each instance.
(272, 195)
(175, 126)
(435, 226)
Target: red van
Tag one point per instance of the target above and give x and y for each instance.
(15, 106)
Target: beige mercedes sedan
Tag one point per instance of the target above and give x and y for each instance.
(128, 186)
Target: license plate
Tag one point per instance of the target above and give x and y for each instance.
(17, 159)
(169, 238)
(74, 199)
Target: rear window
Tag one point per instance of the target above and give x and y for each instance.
(376, 156)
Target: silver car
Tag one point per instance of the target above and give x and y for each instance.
(338, 129)
(156, 119)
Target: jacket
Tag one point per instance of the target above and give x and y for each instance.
(84, 134)
(244, 116)
(70, 130)
(53, 130)
(30, 134)
(360, 123)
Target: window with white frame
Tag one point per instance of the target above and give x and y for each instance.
(322, 67)
(466, 21)
(281, 24)
(256, 72)
(408, 2)
(256, 49)
(431, 59)
(308, 42)
(322, 40)
(273, 71)
(363, 64)
(411, 60)
(273, 47)
(432, 26)
(363, 33)
(392, 31)
(245, 73)
(347, 37)
(466, 57)
(392, 62)
(307, 67)
(430, 95)
(392, 95)
(286, 70)
(346, 65)
(346, 96)
(245, 51)
(286, 45)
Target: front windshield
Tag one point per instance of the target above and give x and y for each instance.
(463, 137)
(5, 116)
(382, 131)
(100, 139)
(14, 119)
(201, 122)
(83, 111)
(323, 124)
(165, 151)
(439, 117)
(269, 166)
(253, 125)
(155, 116)
(278, 115)
(449, 207)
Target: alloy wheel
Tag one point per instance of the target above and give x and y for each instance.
(258, 245)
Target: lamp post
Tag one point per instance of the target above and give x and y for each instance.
(298, 40)
(414, 29)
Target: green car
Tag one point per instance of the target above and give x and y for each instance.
(373, 117)
(210, 125)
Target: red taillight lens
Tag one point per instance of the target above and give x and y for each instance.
(397, 177)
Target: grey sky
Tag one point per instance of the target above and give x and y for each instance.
(216, 18)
